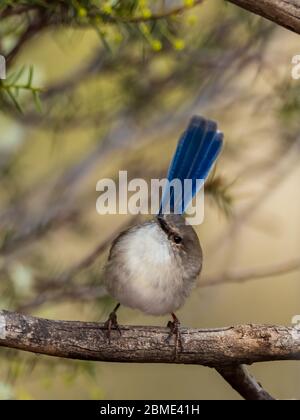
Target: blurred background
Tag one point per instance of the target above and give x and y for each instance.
(88, 94)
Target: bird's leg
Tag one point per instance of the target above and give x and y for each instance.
(175, 332)
(112, 322)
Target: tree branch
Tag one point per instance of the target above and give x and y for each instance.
(67, 277)
(72, 294)
(10, 10)
(244, 383)
(225, 349)
(62, 288)
(244, 344)
(285, 13)
(243, 275)
(33, 28)
(54, 219)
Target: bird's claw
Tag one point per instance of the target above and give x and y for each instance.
(174, 327)
(112, 323)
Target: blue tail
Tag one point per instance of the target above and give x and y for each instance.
(197, 150)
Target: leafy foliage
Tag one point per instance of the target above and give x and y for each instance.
(13, 87)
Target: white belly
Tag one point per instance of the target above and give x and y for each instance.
(144, 273)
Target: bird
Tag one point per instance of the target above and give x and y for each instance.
(153, 266)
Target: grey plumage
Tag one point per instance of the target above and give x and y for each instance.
(154, 266)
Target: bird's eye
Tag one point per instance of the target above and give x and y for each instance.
(177, 239)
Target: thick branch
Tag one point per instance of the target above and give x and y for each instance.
(283, 12)
(220, 347)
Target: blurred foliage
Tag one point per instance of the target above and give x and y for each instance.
(13, 86)
(94, 87)
(289, 109)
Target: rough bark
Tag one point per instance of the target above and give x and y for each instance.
(244, 344)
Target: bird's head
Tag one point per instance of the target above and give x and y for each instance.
(183, 240)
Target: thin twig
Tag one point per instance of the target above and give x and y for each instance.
(16, 10)
(67, 277)
(243, 275)
(33, 28)
(71, 294)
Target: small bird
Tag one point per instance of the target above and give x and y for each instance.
(153, 266)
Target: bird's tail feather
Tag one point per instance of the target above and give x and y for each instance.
(196, 152)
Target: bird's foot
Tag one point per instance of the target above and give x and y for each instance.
(110, 324)
(174, 327)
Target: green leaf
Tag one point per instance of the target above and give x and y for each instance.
(14, 100)
(37, 101)
(30, 76)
